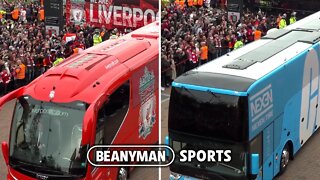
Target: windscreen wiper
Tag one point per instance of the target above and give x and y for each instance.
(33, 168)
(187, 90)
(43, 169)
(213, 96)
(36, 169)
(230, 167)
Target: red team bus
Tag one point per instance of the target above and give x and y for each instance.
(107, 94)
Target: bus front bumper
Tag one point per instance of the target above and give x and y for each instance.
(182, 172)
(176, 176)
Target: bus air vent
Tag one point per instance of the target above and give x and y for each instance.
(151, 33)
(274, 47)
(131, 49)
(93, 64)
(276, 34)
(81, 61)
(311, 38)
(150, 36)
(114, 45)
(313, 25)
(239, 64)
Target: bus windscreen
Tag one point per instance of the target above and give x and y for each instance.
(207, 114)
(191, 143)
(46, 138)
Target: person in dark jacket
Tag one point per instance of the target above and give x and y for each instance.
(165, 71)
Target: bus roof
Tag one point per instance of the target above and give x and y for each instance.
(87, 75)
(257, 59)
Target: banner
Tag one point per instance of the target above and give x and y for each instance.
(77, 12)
(53, 11)
(112, 13)
(235, 8)
(69, 37)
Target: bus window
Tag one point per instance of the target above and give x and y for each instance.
(112, 114)
(99, 127)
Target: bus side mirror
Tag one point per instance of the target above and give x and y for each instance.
(254, 165)
(166, 142)
(5, 152)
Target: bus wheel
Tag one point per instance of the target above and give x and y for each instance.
(123, 173)
(285, 155)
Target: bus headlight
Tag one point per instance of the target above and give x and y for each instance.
(174, 176)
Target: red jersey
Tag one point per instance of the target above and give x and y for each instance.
(194, 58)
(4, 77)
(47, 61)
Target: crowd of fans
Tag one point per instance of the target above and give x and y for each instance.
(191, 36)
(194, 35)
(27, 49)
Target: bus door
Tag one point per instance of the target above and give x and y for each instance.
(98, 172)
(268, 152)
(111, 114)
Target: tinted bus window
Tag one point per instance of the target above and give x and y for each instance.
(112, 114)
(208, 114)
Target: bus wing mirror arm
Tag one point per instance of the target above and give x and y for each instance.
(254, 166)
(167, 142)
(8, 97)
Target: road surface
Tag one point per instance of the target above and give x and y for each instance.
(305, 166)
(5, 122)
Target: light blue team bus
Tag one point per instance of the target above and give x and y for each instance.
(260, 101)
